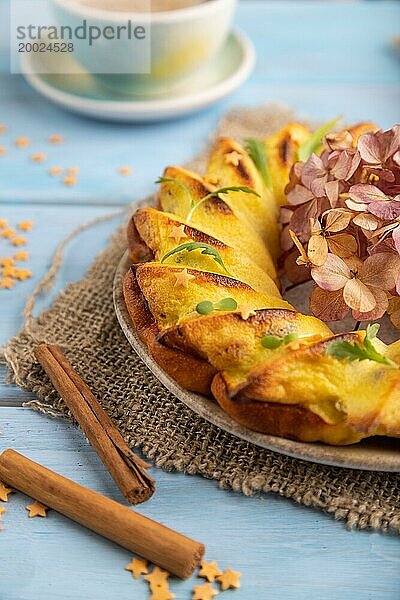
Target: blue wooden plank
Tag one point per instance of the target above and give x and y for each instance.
(301, 62)
(283, 550)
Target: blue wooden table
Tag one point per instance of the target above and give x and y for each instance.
(324, 60)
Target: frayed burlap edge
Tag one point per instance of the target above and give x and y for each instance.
(83, 322)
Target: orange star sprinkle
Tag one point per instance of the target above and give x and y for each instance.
(3, 150)
(157, 578)
(3, 223)
(55, 138)
(37, 509)
(9, 271)
(137, 567)
(3, 128)
(7, 261)
(233, 158)
(182, 278)
(177, 233)
(7, 233)
(22, 255)
(18, 241)
(6, 283)
(2, 511)
(22, 274)
(125, 171)
(25, 225)
(162, 594)
(4, 492)
(70, 181)
(55, 171)
(38, 157)
(229, 580)
(22, 142)
(209, 570)
(204, 592)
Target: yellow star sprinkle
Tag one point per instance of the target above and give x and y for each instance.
(25, 225)
(7, 261)
(6, 283)
(55, 138)
(22, 274)
(4, 492)
(204, 592)
(37, 509)
(125, 171)
(3, 150)
(18, 241)
(177, 233)
(55, 171)
(9, 271)
(157, 578)
(137, 567)
(22, 142)
(247, 311)
(38, 157)
(3, 128)
(182, 278)
(209, 570)
(229, 580)
(233, 158)
(212, 179)
(8, 233)
(22, 255)
(3, 223)
(2, 511)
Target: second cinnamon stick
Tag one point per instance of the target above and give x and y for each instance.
(127, 469)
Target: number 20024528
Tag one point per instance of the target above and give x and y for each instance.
(45, 47)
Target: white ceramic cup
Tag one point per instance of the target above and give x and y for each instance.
(182, 42)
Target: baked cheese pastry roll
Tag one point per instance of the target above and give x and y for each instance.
(215, 215)
(159, 233)
(172, 293)
(340, 402)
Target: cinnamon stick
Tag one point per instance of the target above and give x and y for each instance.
(165, 547)
(127, 469)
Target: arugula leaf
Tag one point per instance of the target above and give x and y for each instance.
(215, 194)
(180, 184)
(206, 249)
(305, 150)
(356, 351)
(257, 152)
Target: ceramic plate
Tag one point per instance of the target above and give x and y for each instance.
(80, 92)
(374, 454)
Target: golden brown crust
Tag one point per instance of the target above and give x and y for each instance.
(138, 250)
(189, 372)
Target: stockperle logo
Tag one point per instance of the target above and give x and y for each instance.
(54, 37)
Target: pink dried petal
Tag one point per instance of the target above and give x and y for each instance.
(369, 148)
(365, 193)
(343, 245)
(343, 165)
(382, 303)
(387, 211)
(356, 206)
(328, 306)
(333, 275)
(380, 270)
(358, 296)
(396, 158)
(312, 170)
(299, 195)
(396, 238)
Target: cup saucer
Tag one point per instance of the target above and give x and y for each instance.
(80, 93)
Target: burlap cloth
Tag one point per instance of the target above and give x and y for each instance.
(83, 322)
